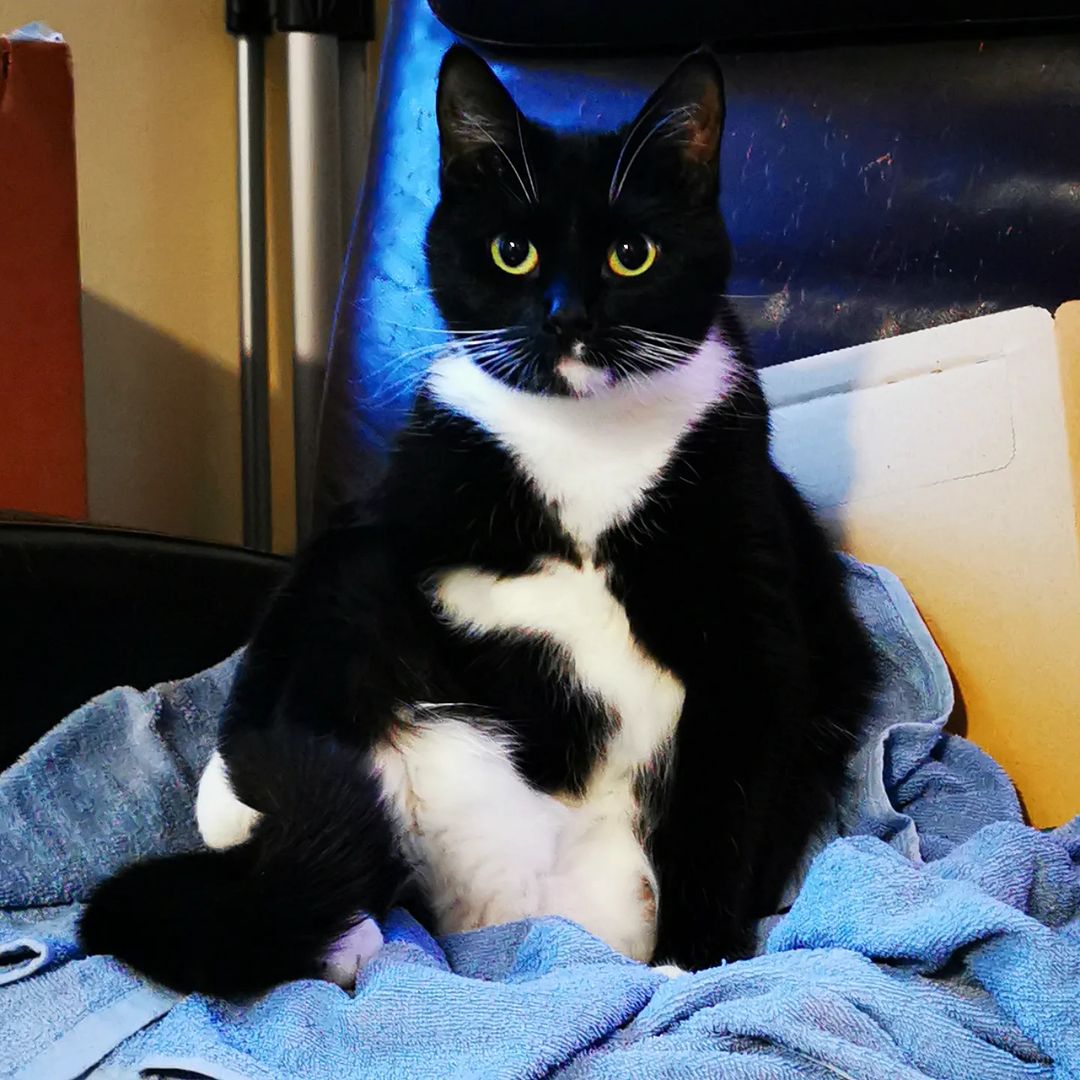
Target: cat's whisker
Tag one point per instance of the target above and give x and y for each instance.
(475, 124)
(651, 348)
(653, 359)
(525, 160)
(499, 359)
(406, 369)
(444, 330)
(467, 343)
(617, 179)
(503, 364)
(641, 333)
(634, 328)
(417, 354)
(682, 348)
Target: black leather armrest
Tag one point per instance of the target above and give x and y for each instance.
(87, 609)
(642, 24)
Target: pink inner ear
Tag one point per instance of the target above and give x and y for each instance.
(703, 129)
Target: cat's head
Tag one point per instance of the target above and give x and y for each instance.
(567, 263)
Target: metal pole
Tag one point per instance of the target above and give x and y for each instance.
(254, 367)
(249, 21)
(314, 29)
(315, 196)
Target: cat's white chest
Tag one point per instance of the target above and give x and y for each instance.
(593, 460)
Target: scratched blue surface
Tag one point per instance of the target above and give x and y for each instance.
(868, 190)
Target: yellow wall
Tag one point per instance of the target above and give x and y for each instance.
(155, 131)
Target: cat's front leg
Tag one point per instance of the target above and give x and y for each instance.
(736, 829)
(340, 648)
(696, 931)
(725, 838)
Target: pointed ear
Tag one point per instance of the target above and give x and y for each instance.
(680, 125)
(480, 127)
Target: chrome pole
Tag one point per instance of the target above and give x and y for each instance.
(315, 197)
(254, 367)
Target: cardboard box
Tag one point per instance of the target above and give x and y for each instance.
(42, 422)
(952, 457)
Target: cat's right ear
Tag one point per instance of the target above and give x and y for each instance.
(481, 129)
(678, 131)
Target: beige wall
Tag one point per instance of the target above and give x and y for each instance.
(155, 130)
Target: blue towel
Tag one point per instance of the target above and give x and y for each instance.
(931, 933)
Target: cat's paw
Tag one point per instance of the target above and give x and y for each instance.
(669, 971)
(351, 952)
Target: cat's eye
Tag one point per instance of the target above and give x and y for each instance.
(514, 254)
(630, 256)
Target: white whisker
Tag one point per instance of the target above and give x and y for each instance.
(617, 182)
(525, 160)
(472, 122)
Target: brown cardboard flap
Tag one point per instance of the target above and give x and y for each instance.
(948, 456)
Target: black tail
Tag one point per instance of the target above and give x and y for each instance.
(235, 923)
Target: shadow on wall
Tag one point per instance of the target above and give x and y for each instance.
(156, 411)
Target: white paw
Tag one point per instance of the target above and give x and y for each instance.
(351, 952)
(669, 971)
(223, 820)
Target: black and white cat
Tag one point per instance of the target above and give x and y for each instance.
(586, 654)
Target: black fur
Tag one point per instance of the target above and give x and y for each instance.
(236, 922)
(726, 579)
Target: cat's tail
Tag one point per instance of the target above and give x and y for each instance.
(292, 901)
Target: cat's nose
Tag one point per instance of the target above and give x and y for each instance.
(567, 318)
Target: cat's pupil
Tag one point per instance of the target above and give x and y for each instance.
(632, 251)
(513, 249)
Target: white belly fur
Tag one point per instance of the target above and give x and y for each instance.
(492, 849)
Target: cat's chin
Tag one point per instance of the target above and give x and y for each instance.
(584, 380)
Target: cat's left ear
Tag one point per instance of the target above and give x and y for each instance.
(481, 129)
(681, 126)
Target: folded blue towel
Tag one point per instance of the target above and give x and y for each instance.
(938, 936)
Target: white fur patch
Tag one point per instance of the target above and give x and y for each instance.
(481, 839)
(592, 458)
(223, 820)
(574, 608)
(669, 971)
(504, 850)
(584, 379)
(491, 849)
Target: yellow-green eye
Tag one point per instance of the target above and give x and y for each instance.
(514, 254)
(630, 256)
